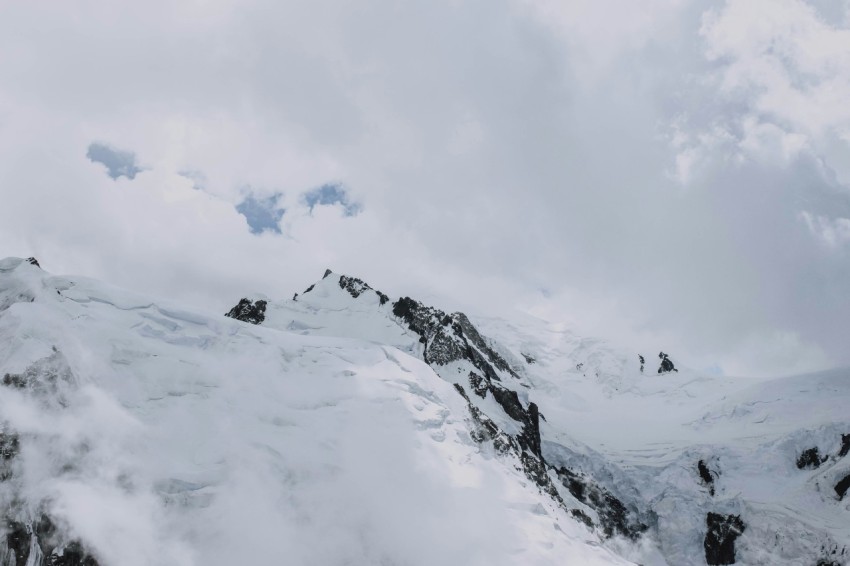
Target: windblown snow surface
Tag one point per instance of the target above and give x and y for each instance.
(148, 434)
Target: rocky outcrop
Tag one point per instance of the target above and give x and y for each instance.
(842, 486)
(35, 540)
(357, 287)
(38, 544)
(33, 261)
(810, 459)
(614, 517)
(485, 430)
(666, 364)
(9, 448)
(722, 531)
(246, 311)
(47, 378)
(845, 445)
(450, 337)
(706, 476)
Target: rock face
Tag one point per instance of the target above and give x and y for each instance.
(845, 445)
(811, 459)
(720, 538)
(33, 261)
(357, 287)
(36, 541)
(448, 338)
(614, 516)
(35, 544)
(451, 338)
(666, 363)
(842, 486)
(706, 476)
(246, 311)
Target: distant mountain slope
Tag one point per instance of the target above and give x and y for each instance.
(703, 468)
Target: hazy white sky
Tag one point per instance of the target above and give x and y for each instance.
(673, 174)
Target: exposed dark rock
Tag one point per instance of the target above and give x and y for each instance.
(811, 459)
(509, 400)
(295, 297)
(666, 364)
(583, 517)
(9, 448)
(55, 552)
(642, 362)
(579, 366)
(33, 261)
(478, 385)
(71, 555)
(357, 287)
(246, 311)
(310, 288)
(529, 359)
(845, 445)
(9, 445)
(327, 272)
(485, 429)
(18, 538)
(832, 556)
(533, 466)
(354, 286)
(706, 476)
(614, 517)
(16, 380)
(842, 486)
(722, 531)
(450, 338)
(530, 435)
(43, 376)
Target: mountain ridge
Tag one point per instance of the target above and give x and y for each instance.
(138, 428)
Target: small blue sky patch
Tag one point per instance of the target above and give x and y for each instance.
(118, 163)
(199, 180)
(330, 194)
(262, 214)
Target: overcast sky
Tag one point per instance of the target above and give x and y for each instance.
(671, 174)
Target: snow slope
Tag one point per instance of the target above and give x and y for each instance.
(642, 438)
(135, 432)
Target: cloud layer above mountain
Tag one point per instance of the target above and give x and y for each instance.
(673, 175)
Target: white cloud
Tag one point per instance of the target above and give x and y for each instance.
(496, 148)
(789, 66)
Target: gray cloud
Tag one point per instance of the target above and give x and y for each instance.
(670, 180)
(118, 163)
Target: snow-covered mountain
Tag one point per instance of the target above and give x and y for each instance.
(344, 426)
